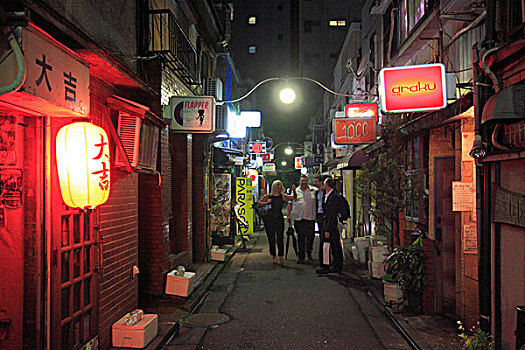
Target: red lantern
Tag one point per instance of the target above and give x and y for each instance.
(82, 153)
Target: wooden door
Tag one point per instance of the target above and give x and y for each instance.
(444, 226)
(74, 277)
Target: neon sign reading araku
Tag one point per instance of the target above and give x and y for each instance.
(413, 88)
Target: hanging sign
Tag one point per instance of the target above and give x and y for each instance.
(354, 130)
(298, 161)
(57, 79)
(243, 206)
(360, 110)
(257, 147)
(413, 88)
(266, 157)
(269, 168)
(83, 165)
(195, 114)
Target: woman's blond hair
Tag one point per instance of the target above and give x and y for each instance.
(274, 184)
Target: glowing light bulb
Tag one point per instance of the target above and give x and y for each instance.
(287, 95)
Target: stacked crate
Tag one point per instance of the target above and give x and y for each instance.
(375, 265)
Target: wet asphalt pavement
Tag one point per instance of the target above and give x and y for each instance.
(290, 307)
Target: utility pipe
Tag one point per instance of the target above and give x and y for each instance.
(21, 71)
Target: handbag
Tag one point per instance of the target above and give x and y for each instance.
(264, 210)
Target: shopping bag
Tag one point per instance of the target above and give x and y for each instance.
(326, 253)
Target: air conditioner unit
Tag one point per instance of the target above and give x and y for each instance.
(140, 139)
(214, 88)
(221, 117)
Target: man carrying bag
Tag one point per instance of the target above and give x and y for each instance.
(332, 209)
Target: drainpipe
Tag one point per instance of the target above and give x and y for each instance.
(484, 237)
(21, 67)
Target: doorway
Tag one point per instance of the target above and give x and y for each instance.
(444, 233)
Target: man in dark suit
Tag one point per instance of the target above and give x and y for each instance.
(330, 230)
(319, 216)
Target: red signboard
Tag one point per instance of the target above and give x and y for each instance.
(361, 110)
(413, 88)
(298, 162)
(266, 157)
(349, 131)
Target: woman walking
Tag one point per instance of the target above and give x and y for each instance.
(274, 221)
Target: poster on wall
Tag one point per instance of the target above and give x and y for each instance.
(221, 205)
(470, 240)
(462, 199)
(243, 206)
(11, 188)
(7, 140)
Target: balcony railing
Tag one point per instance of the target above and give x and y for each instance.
(168, 40)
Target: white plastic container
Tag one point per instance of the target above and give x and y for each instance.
(135, 336)
(362, 243)
(179, 285)
(218, 254)
(355, 253)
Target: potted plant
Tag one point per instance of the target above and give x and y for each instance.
(392, 290)
(406, 264)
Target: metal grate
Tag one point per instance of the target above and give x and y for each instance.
(168, 40)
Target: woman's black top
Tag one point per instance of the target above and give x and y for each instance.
(276, 210)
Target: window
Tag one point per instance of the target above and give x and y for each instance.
(252, 49)
(416, 206)
(280, 7)
(252, 20)
(337, 23)
(410, 14)
(280, 36)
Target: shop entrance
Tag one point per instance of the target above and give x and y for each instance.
(74, 275)
(445, 237)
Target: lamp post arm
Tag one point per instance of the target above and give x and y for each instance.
(324, 87)
(286, 78)
(249, 92)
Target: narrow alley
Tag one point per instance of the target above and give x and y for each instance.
(290, 307)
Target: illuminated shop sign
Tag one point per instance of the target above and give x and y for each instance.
(243, 208)
(349, 131)
(413, 88)
(361, 110)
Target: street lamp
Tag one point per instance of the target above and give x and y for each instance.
(283, 163)
(288, 150)
(287, 96)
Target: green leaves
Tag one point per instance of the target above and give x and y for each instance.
(407, 266)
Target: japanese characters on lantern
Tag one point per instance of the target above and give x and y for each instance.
(83, 164)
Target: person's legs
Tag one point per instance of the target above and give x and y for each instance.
(279, 236)
(320, 224)
(310, 235)
(301, 238)
(337, 252)
(269, 227)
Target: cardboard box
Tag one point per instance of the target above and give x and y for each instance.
(136, 336)
(179, 285)
(218, 255)
(377, 269)
(377, 254)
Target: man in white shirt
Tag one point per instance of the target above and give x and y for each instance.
(303, 210)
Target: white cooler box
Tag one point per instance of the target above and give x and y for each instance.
(136, 336)
(179, 285)
(218, 255)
